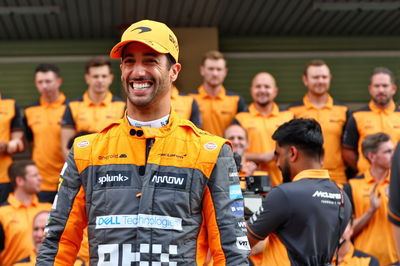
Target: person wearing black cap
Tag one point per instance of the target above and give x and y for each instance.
(152, 188)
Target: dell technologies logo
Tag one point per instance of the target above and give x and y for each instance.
(169, 180)
(114, 178)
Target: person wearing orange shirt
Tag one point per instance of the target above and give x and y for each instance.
(369, 195)
(347, 255)
(260, 122)
(38, 233)
(381, 115)
(11, 135)
(218, 106)
(185, 106)
(96, 108)
(42, 123)
(318, 104)
(16, 214)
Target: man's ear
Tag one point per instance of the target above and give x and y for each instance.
(293, 153)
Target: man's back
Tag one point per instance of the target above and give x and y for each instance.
(304, 218)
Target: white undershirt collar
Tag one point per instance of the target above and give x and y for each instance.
(163, 121)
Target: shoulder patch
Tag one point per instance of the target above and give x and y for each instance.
(210, 146)
(83, 144)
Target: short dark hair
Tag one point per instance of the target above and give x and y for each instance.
(383, 70)
(18, 168)
(315, 62)
(213, 55)
(98, 61)
(45, 67)
(304, 134)
(371, 143)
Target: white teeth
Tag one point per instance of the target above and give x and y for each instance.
(140, 86)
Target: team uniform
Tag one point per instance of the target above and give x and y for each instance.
(371, 120)
(10, 120)
(294, 214)
(355, 257)
(217, 113)
(31, 261)
(185, 106)
(16, 228)
(84, 115)
(260, 129)
(332, 117)
(43, 126)
(376, 238)
(394, 195)
(176, 183)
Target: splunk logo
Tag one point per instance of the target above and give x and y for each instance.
(170, 180)
(326, 195)
(114, 178)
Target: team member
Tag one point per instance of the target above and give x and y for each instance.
(38, 233)
(97, 108)
(394, 198)
(263, 118)
(331, 115)
(369, 195)
(294, 215)
(43, 125)
(151, 187)
(348, 255)
(185, 106)
(217, 105)
(11, 135)
(16, 214)
(381, 115)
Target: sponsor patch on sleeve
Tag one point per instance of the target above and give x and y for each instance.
(242, 243)
(210, 146)
(235, 192)
(237, 208)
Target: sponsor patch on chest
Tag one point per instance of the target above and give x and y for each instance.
(114, 179)
(168, 180)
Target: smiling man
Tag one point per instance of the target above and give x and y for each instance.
(96, 108)
(381, 115)
(261, 121)
(318, 104)
(151, 187)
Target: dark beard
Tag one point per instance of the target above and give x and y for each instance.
(286, 173)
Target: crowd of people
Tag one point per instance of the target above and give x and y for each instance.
(175, 181)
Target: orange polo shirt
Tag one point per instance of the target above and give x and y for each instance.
(260, 129)
(376, 238)
(10, 120)
(186, 107)
(85, 115)
(332, 117)
(217, 113)
(43, 122)
(354, 257)
(371, 120)
(16, 228)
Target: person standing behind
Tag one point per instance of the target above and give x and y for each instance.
(16, 214)
(43, 126)
(218, 106)
(369, 195)
(186, 106)
(260, 122)
(381, 115)
(11, 135)
(318, 104)
(152, 188)
(97, 108)
(305, 218)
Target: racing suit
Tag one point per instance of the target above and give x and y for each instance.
(151, 196)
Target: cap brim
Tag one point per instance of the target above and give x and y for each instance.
(116, 51)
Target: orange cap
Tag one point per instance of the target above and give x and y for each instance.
(154, 34)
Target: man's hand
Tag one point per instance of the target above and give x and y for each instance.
(374, 199)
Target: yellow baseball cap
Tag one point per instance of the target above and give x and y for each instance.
(154, 34)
